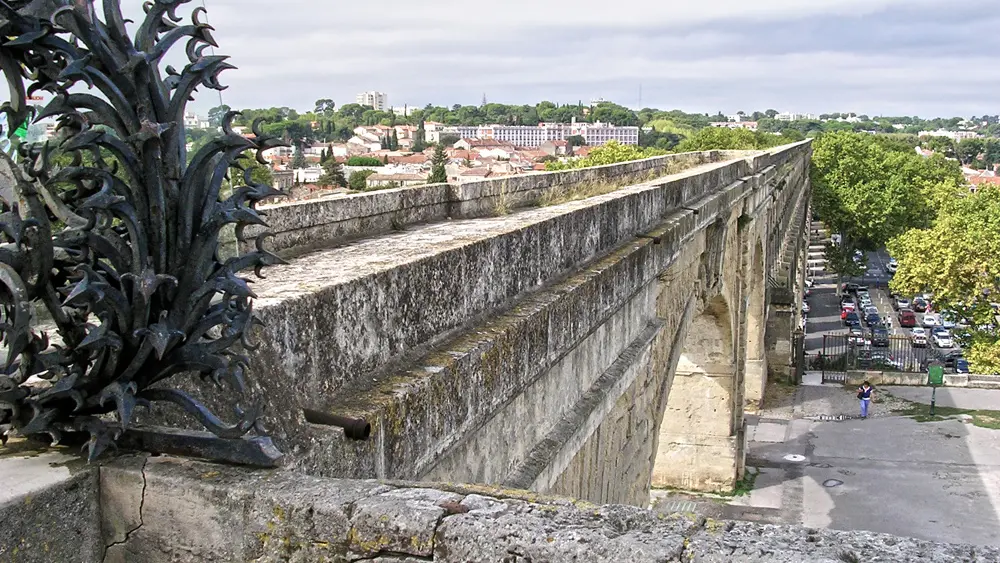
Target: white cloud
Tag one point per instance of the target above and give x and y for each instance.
(817, 55)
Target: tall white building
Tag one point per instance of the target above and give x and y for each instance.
(377, 100)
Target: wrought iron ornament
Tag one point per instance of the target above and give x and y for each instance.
(112, 231)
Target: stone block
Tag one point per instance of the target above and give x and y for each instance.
(49, 506)
(696, 463)
(956, 380)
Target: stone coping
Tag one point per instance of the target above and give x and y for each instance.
(305, 226)
(160, 509)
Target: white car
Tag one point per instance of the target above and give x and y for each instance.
(943, 340)
(947, 320)
(931, 320)
(919, 337)
(805, 308)
(892, 266)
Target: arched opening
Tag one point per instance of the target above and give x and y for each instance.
(697, 445)
(755, 366)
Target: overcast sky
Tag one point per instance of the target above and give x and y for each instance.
(912, 57)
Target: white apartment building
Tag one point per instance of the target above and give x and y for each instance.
(751, 125)
(193, 121)
(786, 116)
(953, 135)
(377, 100)
(594, 134)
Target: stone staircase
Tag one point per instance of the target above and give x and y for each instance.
(819, 235)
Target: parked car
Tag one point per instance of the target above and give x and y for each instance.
(949, 358)
(892, 266)
(918, 337)
(856, 336)
(919, 304)
(907, 318)
(805, 308)
(961, 365)
(852, 319)
(880, 337)
(885, 360)
(873, 320)
(871, 309)
(948, 320)
(931, 320)
(850, 287)
(878, 359)
(943, 340)
(846, 299)
(901, 303)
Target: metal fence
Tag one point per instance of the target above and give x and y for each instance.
(843, 352)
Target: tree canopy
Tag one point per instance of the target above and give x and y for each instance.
(871, 192)
(958, 260)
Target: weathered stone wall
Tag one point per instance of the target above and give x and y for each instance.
(300, 227)
(514, 349)
(164, 509)
(485, 198)
(304, 226)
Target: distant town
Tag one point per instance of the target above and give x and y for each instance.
(394, 146)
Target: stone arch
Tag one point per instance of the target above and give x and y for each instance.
(697, 445)
(755, 363)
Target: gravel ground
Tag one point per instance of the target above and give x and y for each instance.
(784, 402)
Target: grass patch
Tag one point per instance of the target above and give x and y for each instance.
(744, 485)
(922, 413)
(583, 190)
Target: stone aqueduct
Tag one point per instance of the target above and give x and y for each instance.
(590, 348)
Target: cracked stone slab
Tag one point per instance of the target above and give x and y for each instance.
(402, 520)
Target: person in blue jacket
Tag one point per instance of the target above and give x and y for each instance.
(865, 396)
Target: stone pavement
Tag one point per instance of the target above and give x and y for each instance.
(937, 481)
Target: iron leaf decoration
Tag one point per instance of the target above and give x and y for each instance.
(112, 231)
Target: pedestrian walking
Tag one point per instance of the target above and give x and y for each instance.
(865, 396)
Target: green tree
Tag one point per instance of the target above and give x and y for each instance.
(333, 174)
(968, 150)
(325, 107)
(298, 159)
(792, 135)
(419, 138)
(870, 193)
(363, 161)
(359, 179)
(723, 138)
(438, 162)
(576, 140)
(958, 260)
(216, 114)
(609, 153)
(840, 260)
(448, 139)
(394, 141)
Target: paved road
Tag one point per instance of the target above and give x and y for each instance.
(824, 315)
(937, 481)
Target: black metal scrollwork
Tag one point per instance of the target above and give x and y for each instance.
(113, 231)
